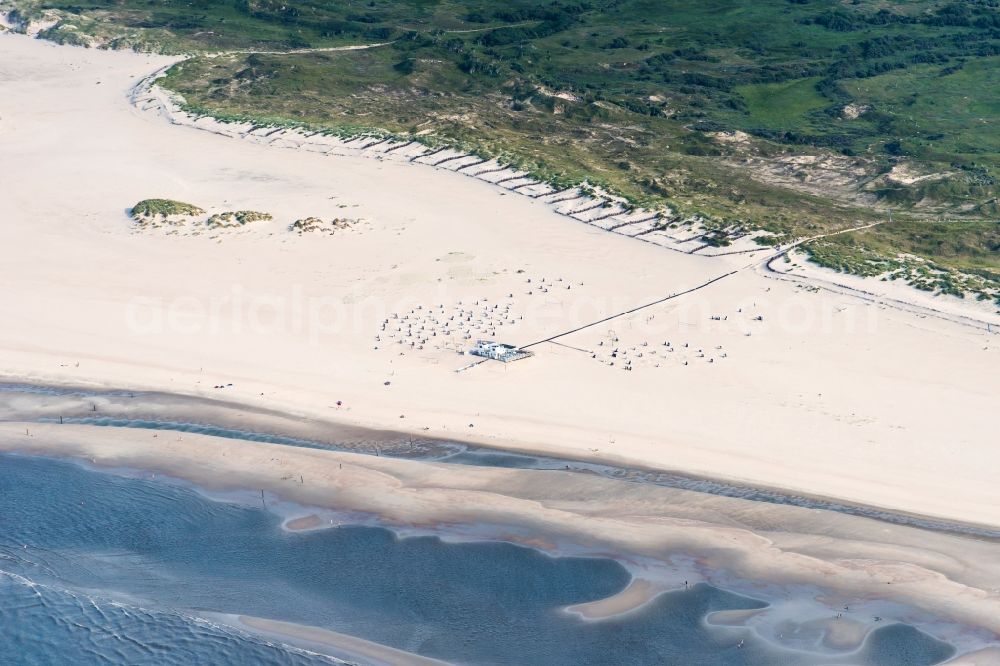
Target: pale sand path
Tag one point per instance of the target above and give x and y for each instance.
(339, 645)
(828, 396)
(730, 540)
(638, 593)
(304, 523)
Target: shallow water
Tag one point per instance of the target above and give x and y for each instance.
(463, 454)
(38, 389)
(99, 568)
(49, 625)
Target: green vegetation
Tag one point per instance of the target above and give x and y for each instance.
(970, 246)
(897, 101)
(184, 26)
(153, 208)
(967, 250)
(947, 115)
(159, 212)
(781, 104)
(237, 218)
(316, 225)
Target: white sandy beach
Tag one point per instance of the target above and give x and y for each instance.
(825, 393)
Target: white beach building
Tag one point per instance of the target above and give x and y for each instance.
(498, 351)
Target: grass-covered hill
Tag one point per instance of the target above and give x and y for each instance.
(793, 115)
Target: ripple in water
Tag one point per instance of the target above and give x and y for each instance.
(78, 548)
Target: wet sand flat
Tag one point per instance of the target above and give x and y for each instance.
(724, 540)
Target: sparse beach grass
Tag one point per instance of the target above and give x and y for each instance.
(238, 218)
(317, 225)
(157, 213)
(149, 208)
(900, 254)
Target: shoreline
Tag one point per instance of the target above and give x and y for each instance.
(337, 645)
(524, 508)
(194, 414)
(301, 635)
(639, 593)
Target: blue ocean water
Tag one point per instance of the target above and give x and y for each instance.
(103, 569)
